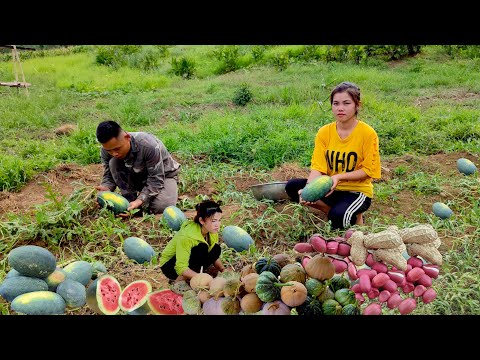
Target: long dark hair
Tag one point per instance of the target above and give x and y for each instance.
(205, 209)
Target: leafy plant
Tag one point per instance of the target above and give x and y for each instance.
(242, 95)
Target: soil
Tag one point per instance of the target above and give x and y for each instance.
(65, 178)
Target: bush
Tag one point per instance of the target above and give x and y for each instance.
(183, 67)
(242, 96)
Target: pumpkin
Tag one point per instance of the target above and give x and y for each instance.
(350, 309)
(267, 264)
(320, 267)
(249, 282)
(314, 287)
(311, 306)
(339, 282)
(200, 281)
(331, 307)
(345, 297)
(276, 307)
(282, 259)
(293, 272)
(247, 269)
(251, 303)
(268, 286)
(326, 294)
(293, 295)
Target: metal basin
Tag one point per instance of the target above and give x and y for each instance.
(271, 191)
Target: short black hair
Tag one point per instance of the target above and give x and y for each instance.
(205, 209)
(107, 130)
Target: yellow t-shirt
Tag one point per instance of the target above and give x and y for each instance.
(359, 150)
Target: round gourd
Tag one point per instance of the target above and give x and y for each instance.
(267, 264)
(320, 267)
(331, 307)
(339, 282)
(80, 271)
(293, 272)
(138, 249)
(268, 287)
(32, 260)
(350, 309)
(113, 201)
(191, 304)
(18, 285)
(311, 307)
(73, 293)
(317, 188)
(293, 295)
(174, 217)
(314, 287)
(251, 303)
(236, 238)
(345, 297)
(276, 307)
(442, 210)
(39, 303)
(466, 166)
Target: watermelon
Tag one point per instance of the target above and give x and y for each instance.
(32, 260)
(80, 271)
(91, 294)
(108, 293)
(138, 249)
(73, 292)
(18, 285)
(142, 310)
(39, 303)
(134, 295)
(442, 210)
(55, 278)
(113, 201)
(174, 217)
(237, 238)
(466, 166)
(165, 302)
(317, 188)
(12, 273)
(98, 267)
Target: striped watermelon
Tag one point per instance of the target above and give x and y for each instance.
(174, 217)
(113, 201)
(237, 238)
(317, 188)
(39, 303)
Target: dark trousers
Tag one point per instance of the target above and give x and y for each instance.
(344, 205)
(199, 256)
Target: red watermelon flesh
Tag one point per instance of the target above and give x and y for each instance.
(165, 302)
(134, 295)
(108, 294)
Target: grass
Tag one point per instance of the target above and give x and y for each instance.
(423, 105)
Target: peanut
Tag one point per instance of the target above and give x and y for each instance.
(427, 251)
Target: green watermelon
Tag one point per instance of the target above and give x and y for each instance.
(73, 293)
(135, 295)
(142, 310)
(108, 292)
(80, 271)
(317, 188)
(12, 273)
(138, 249)
(98, 267)
(113, 201)
(466, 166)
(55, 278)
(165, 302)
(91, 297)
(237, 238)
(39, 303)
(18, 285)
(174, 217)
(442, 210)
(32, 260)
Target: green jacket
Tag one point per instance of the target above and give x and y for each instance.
(189, 236)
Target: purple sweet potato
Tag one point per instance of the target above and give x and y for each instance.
(407, 306)
(332, 247)
(380, 279)
(425, 280)
(303, 247)
(429, 295)
(352, 271)
(373, 309)
(415, 261)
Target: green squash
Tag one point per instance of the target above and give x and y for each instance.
(350, 309)
(314, 287)
(312, 306)
(345, 297)
(268, 287)
(331, 307)
(268, 264)
(339, 282)
(326, 294)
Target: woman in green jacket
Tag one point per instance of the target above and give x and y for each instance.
(195, 245)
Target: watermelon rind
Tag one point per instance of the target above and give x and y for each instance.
(134, 295)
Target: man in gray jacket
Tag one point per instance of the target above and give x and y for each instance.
(140, 165)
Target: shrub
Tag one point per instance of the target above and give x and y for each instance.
(183, 67)
(242, 95)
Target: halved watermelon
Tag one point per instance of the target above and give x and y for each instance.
(108, 294)
(165, 302)
(134, 295)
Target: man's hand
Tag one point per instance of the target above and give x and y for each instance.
(135, 204)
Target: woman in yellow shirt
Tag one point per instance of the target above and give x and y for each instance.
(346, 150)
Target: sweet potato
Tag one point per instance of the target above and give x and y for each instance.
(303, 247)
(429, 295)
(365, 283)
(419, 290)
(373, 309)
(425, 280)
(356, 288)
(408, 287)
(397, 276)
(340, 265)
(348, 233)
(360, 298)
(415, 261)
(352, 271)
(407, 306)
(369, 261)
